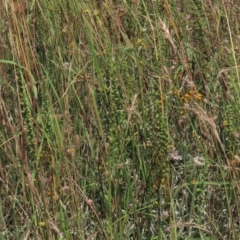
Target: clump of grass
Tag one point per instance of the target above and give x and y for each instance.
(119, 119)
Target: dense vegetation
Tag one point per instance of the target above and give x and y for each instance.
(119, 119)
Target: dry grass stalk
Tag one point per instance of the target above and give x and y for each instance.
(203, 117)
(167, 35)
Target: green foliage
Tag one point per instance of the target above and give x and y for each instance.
(26, 110)
(119, 119)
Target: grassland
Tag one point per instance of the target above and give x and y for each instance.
(119, 119)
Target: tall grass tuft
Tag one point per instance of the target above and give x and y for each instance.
(119, 119)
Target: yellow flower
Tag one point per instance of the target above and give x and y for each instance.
(186, 98)
(191, 92)
(177, 92)
(224, 124)
(42, 224)
(198, 96)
